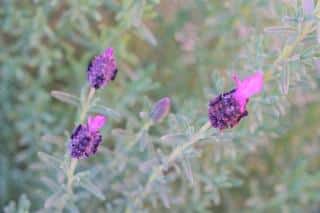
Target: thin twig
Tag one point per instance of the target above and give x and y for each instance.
(175, 154)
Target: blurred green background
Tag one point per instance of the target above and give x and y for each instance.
(185, 49)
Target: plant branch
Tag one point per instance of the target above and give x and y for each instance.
(288, 49)
(175, 154)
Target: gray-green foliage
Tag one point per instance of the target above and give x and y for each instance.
(186, 50)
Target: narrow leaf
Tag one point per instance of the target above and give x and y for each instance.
(65, 97)
(280, 29)
(285, 80)
(54, 199)
(174, 139)
(146, 34)
(187, 169)
(90, 187)
(106, 111)
(50, 160)
(142, 139)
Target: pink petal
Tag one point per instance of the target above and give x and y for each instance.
(97, 122)
(248, 87)
(109, 52)
(251, 85)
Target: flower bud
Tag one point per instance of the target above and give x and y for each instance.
(160, 110)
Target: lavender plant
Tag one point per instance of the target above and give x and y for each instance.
(145, 138)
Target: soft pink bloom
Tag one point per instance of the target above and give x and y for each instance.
(247, 88)
(308, 7)
(95, 123)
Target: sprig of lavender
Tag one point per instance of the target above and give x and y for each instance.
(287, 51)
(101, 70)
(97, 80)
(86, 136)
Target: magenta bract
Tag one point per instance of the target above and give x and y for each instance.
(248, 87)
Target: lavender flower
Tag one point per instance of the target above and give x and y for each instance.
(102, 69)
(86, 138)
(226, 110)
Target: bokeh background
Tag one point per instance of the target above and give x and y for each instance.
(184, 49)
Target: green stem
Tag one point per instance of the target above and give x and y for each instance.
(145, 128)
(175, 154)
(74, 162)
(70, 174)
(85, 105)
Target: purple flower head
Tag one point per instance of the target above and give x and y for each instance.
(86, 138)
(102, 69)
(226, 110)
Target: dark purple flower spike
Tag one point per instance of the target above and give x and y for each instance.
(86, 138)
(226, 110)
(102, 69)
